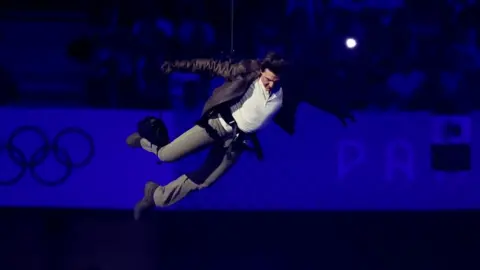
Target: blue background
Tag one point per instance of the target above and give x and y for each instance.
(381, 162)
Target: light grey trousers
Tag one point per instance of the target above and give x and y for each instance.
(193, 140)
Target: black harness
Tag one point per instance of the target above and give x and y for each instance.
(240, 140)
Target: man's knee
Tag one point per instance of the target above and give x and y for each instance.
(166, 155)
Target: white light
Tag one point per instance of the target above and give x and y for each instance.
(350, 43)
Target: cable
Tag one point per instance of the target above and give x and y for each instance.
(232, 17)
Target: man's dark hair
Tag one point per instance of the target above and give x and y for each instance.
(274, 62)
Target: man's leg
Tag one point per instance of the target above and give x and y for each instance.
(191, 141)
(215, 165)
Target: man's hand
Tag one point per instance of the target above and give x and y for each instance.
(166, 67)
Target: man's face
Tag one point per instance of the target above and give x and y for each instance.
(269, 80)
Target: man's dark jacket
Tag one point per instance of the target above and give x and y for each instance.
(239, 76)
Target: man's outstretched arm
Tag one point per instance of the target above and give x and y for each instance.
(223, 69)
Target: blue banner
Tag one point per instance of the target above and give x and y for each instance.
(79, 159)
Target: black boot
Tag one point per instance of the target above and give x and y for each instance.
(147, 202)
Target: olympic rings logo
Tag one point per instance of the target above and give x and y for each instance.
(40, 155)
